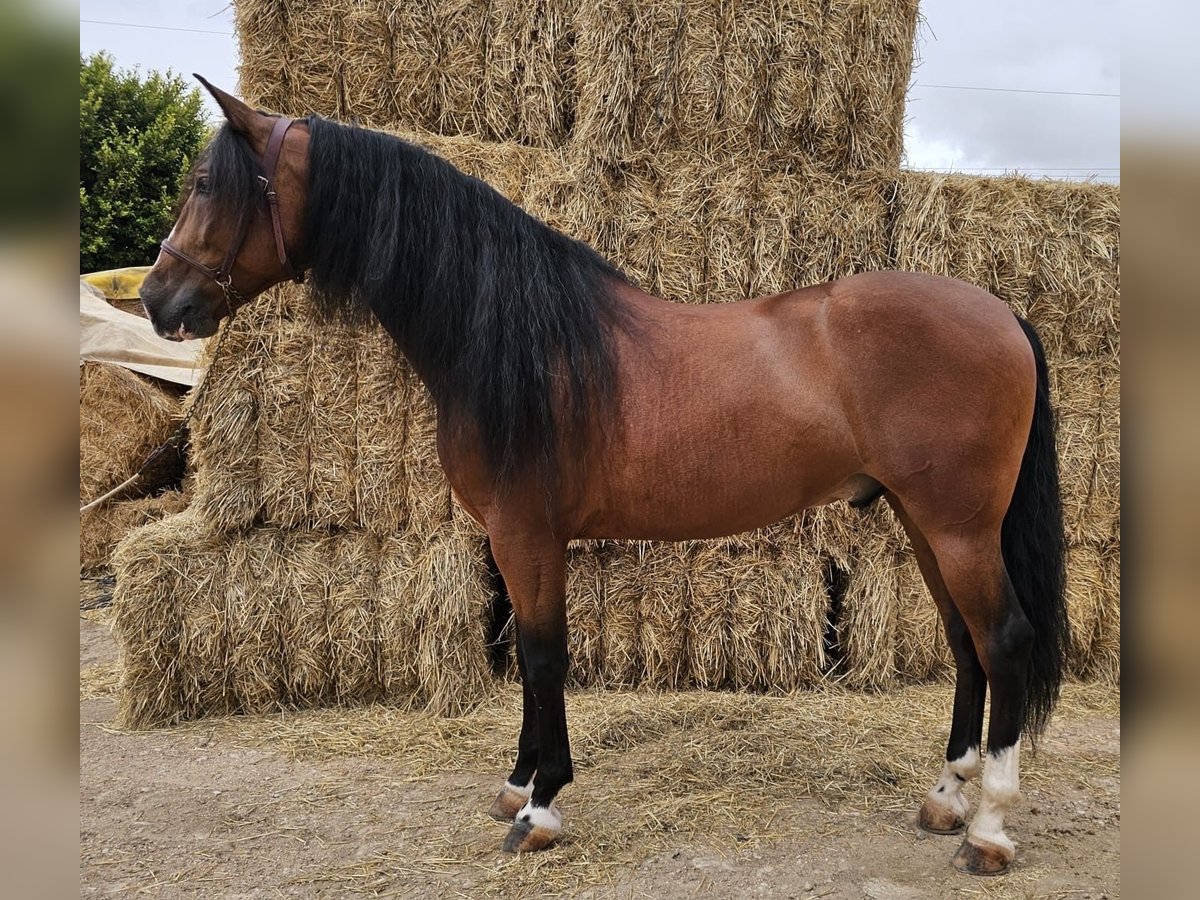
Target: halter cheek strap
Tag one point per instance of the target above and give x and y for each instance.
(223, 275)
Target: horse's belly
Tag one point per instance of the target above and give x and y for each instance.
(697, 502)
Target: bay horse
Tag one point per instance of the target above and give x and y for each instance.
(571, 405)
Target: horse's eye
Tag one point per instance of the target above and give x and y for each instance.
(202, 184)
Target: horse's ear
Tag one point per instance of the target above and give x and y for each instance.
(242, 118)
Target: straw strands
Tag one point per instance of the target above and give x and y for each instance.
(823, 81)
(266, 619)
(102, 528)
(123, 417)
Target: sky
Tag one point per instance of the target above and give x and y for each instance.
(1052, 67)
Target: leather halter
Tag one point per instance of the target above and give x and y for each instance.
(223, 276)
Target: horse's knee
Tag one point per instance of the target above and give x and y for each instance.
(545, 668)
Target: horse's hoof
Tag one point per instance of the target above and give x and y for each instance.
(938, 819)
(534, 828)
(979, 857)
(508, 803)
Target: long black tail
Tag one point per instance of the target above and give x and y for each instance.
(1034, 552)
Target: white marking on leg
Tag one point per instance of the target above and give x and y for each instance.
(1001, 788)
(947, 792)
(547, 817)
(519, 789)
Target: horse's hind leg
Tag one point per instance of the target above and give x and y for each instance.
(972, 567)
(945, 808)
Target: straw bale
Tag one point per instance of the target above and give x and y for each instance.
(381, 422)
(701, 228)
(429, 504)
(102, 528)
(662, 615)
(266, 69)
(793, 628)
(922, 651)
(460, 36)
(707, 638)
(226, 419)
(620, 623)
(123, 417)
(148, 622)
(450, 587)
(869, 621)
(265, 618)
(308, 650)
(254, 661)
(206, 676)
(888, 625)
(352, 595)
(315, 60)
(398, 624)
(825, 82)
(503, 72)
(586, 602)
(286, 408)
(758, 591)
(1051, 250)
(332, 452)
(366, 61)
(529, 71)
(1086, 393)
(1106, 650)
(811, 227)
(1091, 600)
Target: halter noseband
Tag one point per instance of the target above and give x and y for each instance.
(223, 276)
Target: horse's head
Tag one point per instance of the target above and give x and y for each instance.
(241, 223)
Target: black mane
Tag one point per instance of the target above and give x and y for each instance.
(508, 321)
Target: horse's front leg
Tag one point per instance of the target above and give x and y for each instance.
(534, 570)
(515, 792)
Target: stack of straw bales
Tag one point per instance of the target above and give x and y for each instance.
(323, 559)
(823, 81)
(123, 417)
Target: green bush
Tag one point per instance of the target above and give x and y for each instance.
(137, 139)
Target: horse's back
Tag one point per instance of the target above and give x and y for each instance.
(735, 415)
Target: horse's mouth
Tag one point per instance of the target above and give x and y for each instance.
(179, 335)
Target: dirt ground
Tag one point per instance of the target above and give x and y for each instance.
(212, 810)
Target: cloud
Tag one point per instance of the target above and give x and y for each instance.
(1037, 46)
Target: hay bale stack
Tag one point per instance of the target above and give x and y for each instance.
(824, 82)
(263, 619)
(714, 151)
